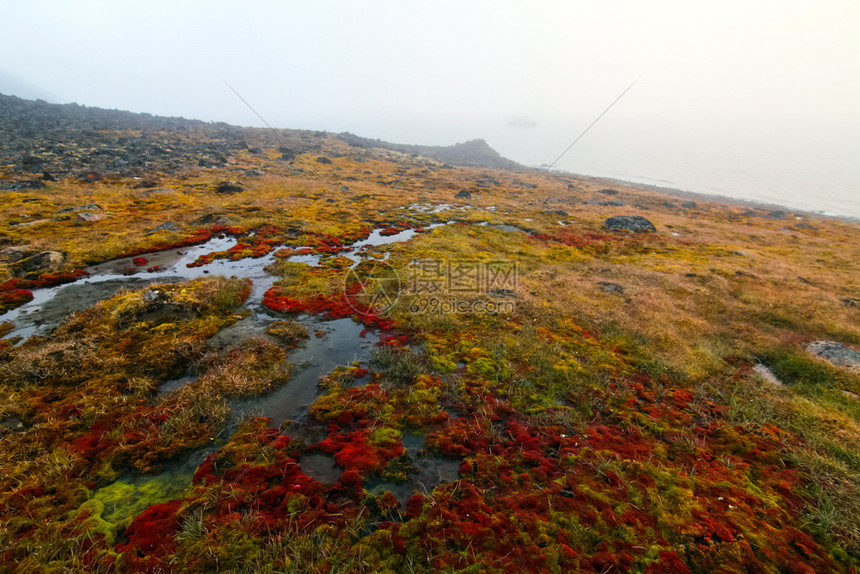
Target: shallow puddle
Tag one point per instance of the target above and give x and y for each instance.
(321, 467)
(340, 344)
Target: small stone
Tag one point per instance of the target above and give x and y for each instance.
(463, 195)
(767, 375)
(228, 187)
(634, 223)
(86, 217)
(16, 253)
(608, 287)
(41, 262)
(166, 226)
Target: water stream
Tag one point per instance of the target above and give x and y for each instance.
(331, 343)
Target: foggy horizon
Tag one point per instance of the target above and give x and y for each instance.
(765, 91)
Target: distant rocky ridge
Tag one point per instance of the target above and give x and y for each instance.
(473, 153)
(42, 141)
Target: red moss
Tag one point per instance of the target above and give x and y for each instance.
(14, 298)
(667, 561)
(197, 237)
(151, 536)
(388, 231)
(44, 280)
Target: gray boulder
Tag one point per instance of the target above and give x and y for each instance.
(16, 253)
(166, 226)
(87, 217)
(836, 353)
(634, 223)
(41, 262)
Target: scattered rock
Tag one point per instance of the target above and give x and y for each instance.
(613, 203)
(324, 160)
(850, 395)
(742, 253)
(608, 191)
(805, 226)
(689, 205)
(287, 154)
(508, 228)
(12, 424)
(634, 223)
(463, 195)
(32, 164)
(87, 217)
(745, 274)
(16, 253)
(87, 207)
(836, 353)
(556, 212)
(502, 292)
(166, 226)
(229, 187)
(848, 302)
(344, 188)
(767, 375)
(29, 223)
(41, 262)
(591, 202)
(775, 215)
(608, 287)
(21, 185)
(207, 219)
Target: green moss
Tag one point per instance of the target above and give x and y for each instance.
(129, 496)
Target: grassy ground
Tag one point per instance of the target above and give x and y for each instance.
(604, 411)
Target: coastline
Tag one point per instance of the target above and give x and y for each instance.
(710, 197)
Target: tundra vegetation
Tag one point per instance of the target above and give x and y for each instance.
(612, 419)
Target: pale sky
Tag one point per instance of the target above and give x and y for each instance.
(716, 80)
